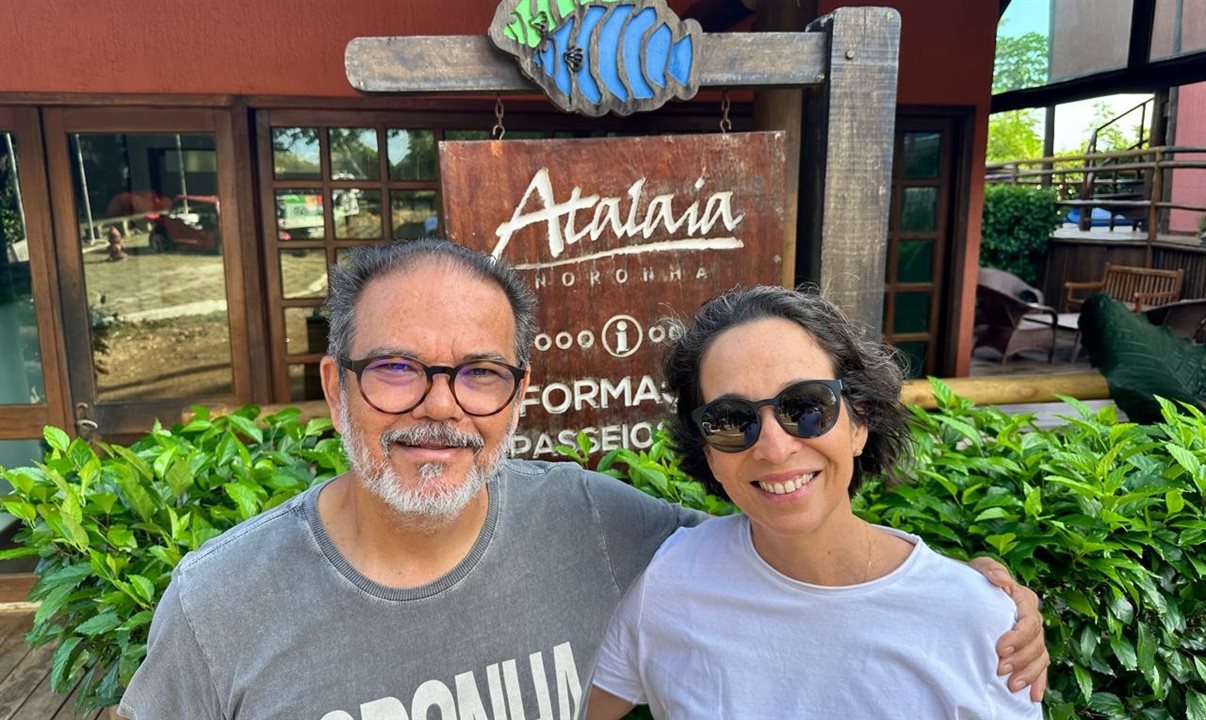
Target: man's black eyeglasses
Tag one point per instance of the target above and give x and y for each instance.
(806, 409)
(396, 384)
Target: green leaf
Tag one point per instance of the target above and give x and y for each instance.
(1125, 652)
(98, 624)
(56, 438)
(1109, 704)
(1084, 681)
(247, 427)
(1174, 500)
(179, 477)
(136, 496)
(1080, 603)
(1195, 705)
(244, 498)
(144, 587)
(52, 603)
(1139, 360)
(22, 510)
(61, 664)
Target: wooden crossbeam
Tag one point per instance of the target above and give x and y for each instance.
(471, 64)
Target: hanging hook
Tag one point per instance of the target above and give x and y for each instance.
(498, 131)
(725, 123)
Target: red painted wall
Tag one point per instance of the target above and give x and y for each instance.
(260, 47)
(295, 48)
(1189, 184)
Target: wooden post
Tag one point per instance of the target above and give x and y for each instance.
(846, 185)
(1153, 209)
(776, 109)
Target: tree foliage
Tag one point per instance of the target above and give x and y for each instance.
(1015, 226)
(1012, 136)
(1021, 62)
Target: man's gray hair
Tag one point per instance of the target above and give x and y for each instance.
(366, 262)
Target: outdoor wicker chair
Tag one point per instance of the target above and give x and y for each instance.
(1010, 324)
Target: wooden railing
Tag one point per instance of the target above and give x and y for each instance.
(1129, 184)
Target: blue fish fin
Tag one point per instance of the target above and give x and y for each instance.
(657, 55)
(634, 32)
(607, 64)
(681, 56)
(587, 84)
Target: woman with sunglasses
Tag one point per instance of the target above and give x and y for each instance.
(796, 608)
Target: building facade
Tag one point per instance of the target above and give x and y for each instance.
(175, 180)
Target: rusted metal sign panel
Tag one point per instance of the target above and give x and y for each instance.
(615, 235)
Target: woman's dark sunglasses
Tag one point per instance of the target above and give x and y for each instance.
(806, 409)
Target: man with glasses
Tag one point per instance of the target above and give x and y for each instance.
(434, 578)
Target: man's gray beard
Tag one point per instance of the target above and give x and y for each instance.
(430, 503)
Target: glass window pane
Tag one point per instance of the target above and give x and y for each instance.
(299, 215)
(920, 212)
(305, 330)
(466, 134)
(413, 213)
(912, 358)
(915, 261)
(20, 355)
(357, 214)
(305, 382)
(1179, 28)
(1088, 37)
(304, 273)
(155, 280)
(411, 154)
(912, 313)
(354, 154)
(295, 154)
(921, 151)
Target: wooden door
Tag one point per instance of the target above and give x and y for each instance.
(148, 261)
(922, 238)
(31, 368)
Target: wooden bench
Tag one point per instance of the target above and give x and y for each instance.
(1137, 288)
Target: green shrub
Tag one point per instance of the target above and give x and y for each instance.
(109, 528)
(1104, 520)
(1017, 221)
(654, 471)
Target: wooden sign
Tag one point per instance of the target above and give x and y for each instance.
(615, 235)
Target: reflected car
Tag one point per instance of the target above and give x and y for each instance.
(191, 222)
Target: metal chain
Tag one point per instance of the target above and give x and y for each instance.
(725, 123)
(498, 131)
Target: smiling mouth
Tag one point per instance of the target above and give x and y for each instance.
(790, 486)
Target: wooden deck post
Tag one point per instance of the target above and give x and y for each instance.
(848, 158)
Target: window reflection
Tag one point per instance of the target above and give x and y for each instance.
(299, 215)
(413, 213)
(295, 154)
(354, 154)
(21, 380)
(149, 223)
(411, 154)
(357, 214)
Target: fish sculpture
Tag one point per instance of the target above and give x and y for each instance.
(598, 56)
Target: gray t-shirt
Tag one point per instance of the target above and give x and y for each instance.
(270, 621)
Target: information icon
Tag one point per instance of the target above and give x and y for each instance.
(622, 335)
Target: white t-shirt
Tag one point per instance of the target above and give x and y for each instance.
(712, 631)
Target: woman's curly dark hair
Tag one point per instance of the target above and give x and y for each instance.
(871, 379)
